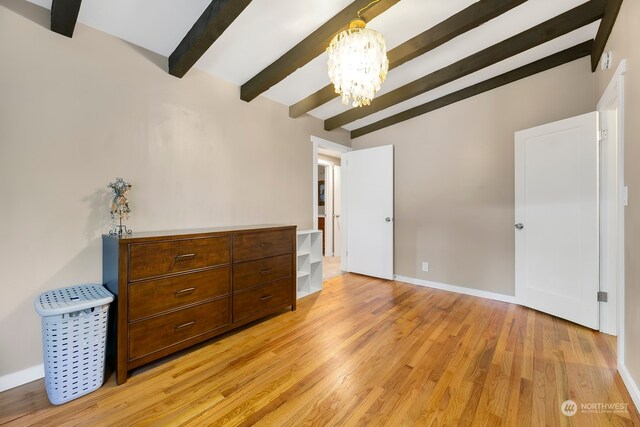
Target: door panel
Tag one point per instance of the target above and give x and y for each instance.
(369, 211)
(557, 248)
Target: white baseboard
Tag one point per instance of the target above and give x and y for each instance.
(24, 376)
(631, 385)
(458, 289)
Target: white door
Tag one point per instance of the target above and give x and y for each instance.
(337, 211)
(557, 248)
(368, 175)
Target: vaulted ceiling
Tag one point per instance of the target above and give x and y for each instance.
(440, 51)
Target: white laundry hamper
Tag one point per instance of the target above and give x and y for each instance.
(74, 332)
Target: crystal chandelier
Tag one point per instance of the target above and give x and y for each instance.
(358, 62)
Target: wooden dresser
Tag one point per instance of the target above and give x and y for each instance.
(176, 289)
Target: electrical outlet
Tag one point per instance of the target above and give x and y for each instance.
(425, 266)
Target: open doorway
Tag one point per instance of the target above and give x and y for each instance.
(330, 211)
(327, 203)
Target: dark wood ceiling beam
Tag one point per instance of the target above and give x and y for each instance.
(562, 24)
(604, 31)
(64, 15)
(212, 23)
(309, 48)
(463, 21)
(571, 54)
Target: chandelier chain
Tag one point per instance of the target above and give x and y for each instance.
(367, 7)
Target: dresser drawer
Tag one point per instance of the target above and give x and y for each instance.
(155, 296)
(259, 245)
(253, 273)
(256, 300)
(156, 259)
(161, 332)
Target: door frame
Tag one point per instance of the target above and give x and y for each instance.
(328, 206)
(612, 313)
(318, 142)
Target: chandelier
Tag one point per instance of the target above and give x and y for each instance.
(358, 63)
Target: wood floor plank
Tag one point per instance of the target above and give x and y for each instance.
(551, 388)
(338, 375)
(414, 325)
(445, 376)
(363, 352)
(516, 345)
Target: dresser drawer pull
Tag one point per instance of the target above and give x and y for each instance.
(265, 271)
(187, 291)
(185, 325)
(266, 297)
(265, 244)
(184, 257)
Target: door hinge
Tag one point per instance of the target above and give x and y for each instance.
(603, 134)
(603, 297)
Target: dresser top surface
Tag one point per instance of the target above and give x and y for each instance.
(195, 232)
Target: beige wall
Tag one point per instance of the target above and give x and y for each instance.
(77, 113)
(454, 177)
(624, 44)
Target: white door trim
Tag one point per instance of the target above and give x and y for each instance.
(612, 319)
(328, 206)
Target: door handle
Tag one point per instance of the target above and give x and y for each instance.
(388, 219)
(337, 216)
(519, 226)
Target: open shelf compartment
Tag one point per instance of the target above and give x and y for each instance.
(309, 267)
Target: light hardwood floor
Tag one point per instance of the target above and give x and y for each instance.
(330, 267)
(364, 352)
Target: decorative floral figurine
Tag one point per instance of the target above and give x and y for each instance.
(120, 205)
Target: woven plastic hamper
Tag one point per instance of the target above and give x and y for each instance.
(74, 332)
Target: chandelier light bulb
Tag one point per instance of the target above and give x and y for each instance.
(358, 63)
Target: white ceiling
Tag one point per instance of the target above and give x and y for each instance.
(156, 25)
(269, 28)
